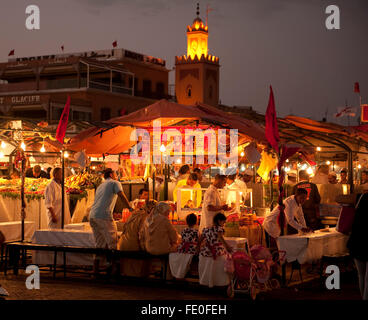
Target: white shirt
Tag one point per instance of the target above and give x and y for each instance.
(232, 190)
(211, 197)
(294, 216)
(320, 178)
(53, 199)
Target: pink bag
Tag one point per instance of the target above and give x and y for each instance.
(346, 218)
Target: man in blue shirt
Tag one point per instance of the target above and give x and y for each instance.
(101, 214)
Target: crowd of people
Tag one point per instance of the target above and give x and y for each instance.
(149, 229)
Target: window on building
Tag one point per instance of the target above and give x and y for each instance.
(160, 90)
(105, 114)
(32, 114)
(56, 113)
(189, 91)
(81, 115)
(147, 88)
(136, 86)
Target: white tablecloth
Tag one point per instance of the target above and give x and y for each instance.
(237, 242)
(84, 226)
(311, 247)
(63, 237)
(80, 210)
(13, 230)
(10, 210)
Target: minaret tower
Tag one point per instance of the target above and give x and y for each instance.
(197, 73)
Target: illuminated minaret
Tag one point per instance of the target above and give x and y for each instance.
(197, 73)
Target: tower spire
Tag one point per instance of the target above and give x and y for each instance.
(197, 9)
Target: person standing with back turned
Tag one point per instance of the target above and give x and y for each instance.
(101, 220)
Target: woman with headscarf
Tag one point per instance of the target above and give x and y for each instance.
(129, 241)
(157, 235)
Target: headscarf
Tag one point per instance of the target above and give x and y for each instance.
(160, 209)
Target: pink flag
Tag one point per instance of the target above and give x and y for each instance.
(272, 131)
(61, 129)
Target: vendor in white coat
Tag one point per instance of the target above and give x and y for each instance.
(233, 188)
(212, 203)
(53, 202)
(293, 214)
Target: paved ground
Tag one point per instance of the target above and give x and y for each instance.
(83, 287)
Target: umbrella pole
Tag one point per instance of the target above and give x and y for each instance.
(62, 189)
(22, 197)
(166, 186)
(351, 171)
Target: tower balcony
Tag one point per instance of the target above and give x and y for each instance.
(204, 58)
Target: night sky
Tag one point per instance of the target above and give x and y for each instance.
(260, 42)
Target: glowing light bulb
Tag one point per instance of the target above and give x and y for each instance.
(43, 148)
(242, 154)
(162, 148)
(178, 161)
(287, 160)
(309, 170)
(287, 169)
(304, 166)
(66, 154)
(319, 149)
(23, 146)
(242, 167)
(3, 145)
(328, 162)
(359, 166)
(1, 154)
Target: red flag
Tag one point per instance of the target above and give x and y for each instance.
(61, 129)
(115, 44)
(272, 131)
(11, 53)
(356, 87)
(364, 115)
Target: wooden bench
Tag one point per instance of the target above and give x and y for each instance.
(14, 249)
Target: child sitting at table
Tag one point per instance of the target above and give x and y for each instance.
(180, 261)
(213, 254)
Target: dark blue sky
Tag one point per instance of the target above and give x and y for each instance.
(260, 42)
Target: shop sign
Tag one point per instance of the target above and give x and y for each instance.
(33, 99)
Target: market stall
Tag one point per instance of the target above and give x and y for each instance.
(112, 138)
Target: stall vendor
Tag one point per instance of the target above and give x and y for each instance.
(293, 215)
(192, 196)
(344, 176)
(36, 172)
(233, 188)
(141, 200)
(311, 205)
(212, 203)
(53, 202)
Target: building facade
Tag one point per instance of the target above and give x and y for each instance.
(102, 84)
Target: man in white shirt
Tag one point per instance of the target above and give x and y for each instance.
(212, 203)
(101, 219)
(293, 214)
(53, 202)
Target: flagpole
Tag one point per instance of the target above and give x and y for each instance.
(62, 187)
